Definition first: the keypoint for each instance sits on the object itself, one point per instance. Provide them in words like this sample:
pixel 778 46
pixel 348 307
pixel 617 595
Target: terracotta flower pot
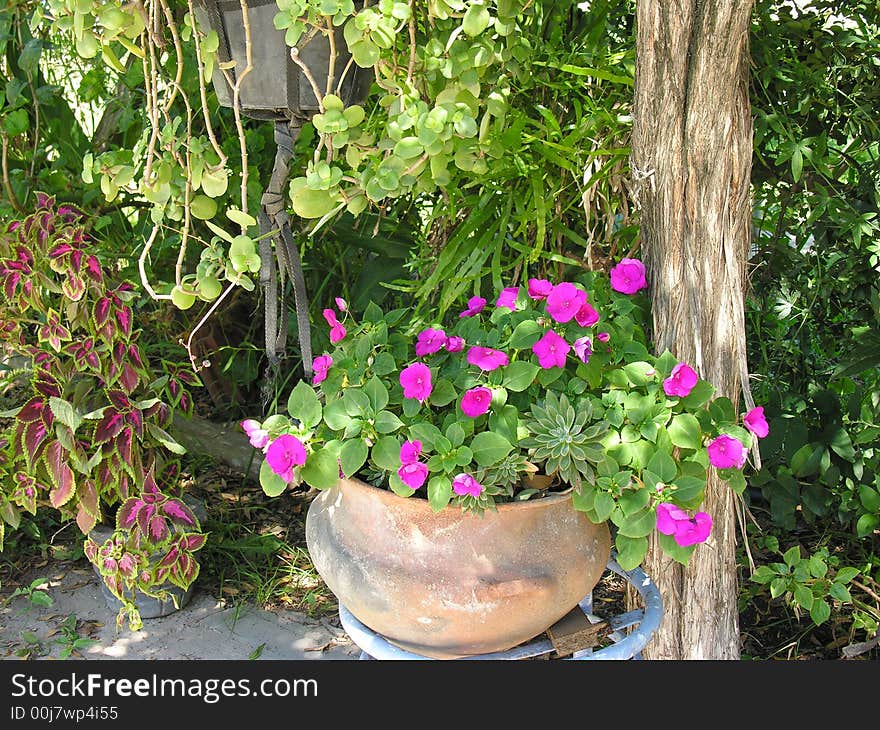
pixel 453 584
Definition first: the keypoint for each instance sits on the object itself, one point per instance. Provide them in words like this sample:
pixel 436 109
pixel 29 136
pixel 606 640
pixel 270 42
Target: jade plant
pixel 92 429
pixel 443 73
pixel 546 387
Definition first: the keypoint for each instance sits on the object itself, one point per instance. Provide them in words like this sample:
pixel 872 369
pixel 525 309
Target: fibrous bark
pixel 691 163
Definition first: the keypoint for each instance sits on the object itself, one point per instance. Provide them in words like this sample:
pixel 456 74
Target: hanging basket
pixel 276 88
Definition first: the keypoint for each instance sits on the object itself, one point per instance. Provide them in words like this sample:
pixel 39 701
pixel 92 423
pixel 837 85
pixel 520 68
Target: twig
pixel 331 66
pixel 236 104
pixel 203 92
pixel 294 55
pixel 412 43
pixel 7 184
pixel 172 26
pixel 866 590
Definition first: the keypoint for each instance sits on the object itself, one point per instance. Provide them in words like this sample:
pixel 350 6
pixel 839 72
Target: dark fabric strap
pixel 275 221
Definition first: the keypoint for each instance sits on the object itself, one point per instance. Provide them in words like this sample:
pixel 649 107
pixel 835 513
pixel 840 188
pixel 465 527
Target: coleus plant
pixel 150 550
pixel 94 424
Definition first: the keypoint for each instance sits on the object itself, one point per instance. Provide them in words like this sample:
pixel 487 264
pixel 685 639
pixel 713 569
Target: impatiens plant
pixel 92 426
pixel 551 388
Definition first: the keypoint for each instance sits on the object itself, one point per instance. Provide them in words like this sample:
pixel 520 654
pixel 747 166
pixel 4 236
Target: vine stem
pixel 203 95
pixel 213 308
pixel 142 269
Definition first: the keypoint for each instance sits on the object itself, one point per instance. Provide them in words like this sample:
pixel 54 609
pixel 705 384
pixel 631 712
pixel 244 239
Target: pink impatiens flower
pixel 551 350
pixel 320 366
pixel 507 298
pixel 475 306
pixel 539 289
pixel 476 401
pixel 284 454
pixel 486 358
pixel 583 348
pixel 726 452
pixel 565 301
pixel 413 475
pixel 337 329
pixel 756 423
pixel 409 452
pixel 686 530
pixel 603 337
pixel 412 472
pixel 465 484
pixel 342 304
pixel 257 436
pixel 416 381
pixel 430 341
pixel 454 344
pixel 586 316
pixel 628 276
pixel 681 381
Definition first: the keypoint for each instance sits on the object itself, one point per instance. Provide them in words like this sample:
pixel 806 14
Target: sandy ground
pixel 203 629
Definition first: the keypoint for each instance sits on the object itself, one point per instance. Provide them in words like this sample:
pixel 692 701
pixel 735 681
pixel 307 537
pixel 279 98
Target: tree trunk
pixel 691 163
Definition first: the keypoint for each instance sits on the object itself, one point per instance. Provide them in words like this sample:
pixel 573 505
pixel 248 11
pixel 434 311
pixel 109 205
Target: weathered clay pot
pixel 453 584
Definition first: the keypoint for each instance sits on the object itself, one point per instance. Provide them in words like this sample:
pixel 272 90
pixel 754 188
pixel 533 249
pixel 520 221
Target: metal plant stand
pixel 643 622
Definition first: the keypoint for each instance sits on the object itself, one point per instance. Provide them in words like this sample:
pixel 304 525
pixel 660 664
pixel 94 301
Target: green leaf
pixel 321 469
pixel 866 524
pixel 519 375
pixel 304 405
pixel 336 416
pixel 398 487
pixel 845 575
pixel 778 587
pixel 840 592
pixel 663 465
pixel 377 393
pixel 526 334
pixel 638 524
pixel 15 123
pixel 427 433
pixel 685 432
pixel 489 448
pixel 243 219
pixel 439 492
pixel 65 412
pixel 792 556
pixel 352 456
pixel 803 596
pixel 386 453
pixel 869 497
pixel 820 611
pixel 603 505
pixel 673 549
pixel 387 422
pixel 637 372
pixel 357 404
pixel 164 438
pixel 272 483
pixel 443 393
pixel 476 20
pixel 631 551
pixel 455 434
pixel 701 394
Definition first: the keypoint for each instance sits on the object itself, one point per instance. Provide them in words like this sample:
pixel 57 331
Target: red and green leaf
pixel 109 426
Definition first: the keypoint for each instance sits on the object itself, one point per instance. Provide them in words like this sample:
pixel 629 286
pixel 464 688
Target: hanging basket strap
pixel 275 221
